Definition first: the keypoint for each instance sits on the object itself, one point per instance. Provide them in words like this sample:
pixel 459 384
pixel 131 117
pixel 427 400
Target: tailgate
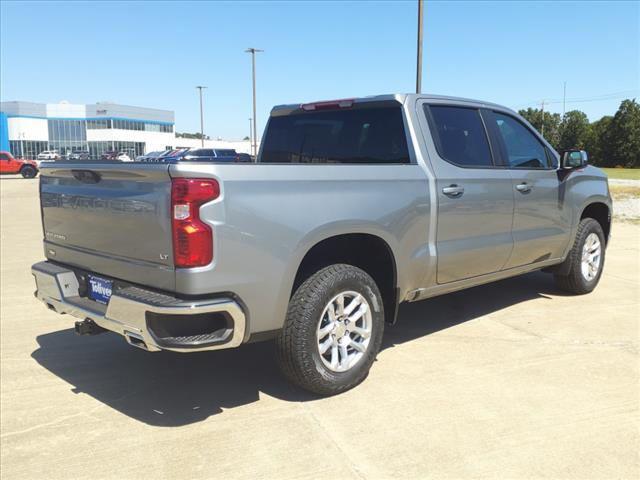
pixel 112 219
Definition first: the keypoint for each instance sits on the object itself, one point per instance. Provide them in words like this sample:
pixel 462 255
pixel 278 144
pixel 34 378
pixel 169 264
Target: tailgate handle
pixel 86 176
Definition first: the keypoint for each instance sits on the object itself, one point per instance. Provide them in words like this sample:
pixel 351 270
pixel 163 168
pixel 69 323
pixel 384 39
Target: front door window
pixel 523 149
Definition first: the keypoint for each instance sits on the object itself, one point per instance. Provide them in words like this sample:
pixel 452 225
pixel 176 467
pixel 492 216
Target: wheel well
pixel 368 252
pixel 600 213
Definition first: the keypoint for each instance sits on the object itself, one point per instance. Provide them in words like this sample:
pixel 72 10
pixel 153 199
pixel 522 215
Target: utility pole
pixel 419 53
pixel 253 52
pixel 200 87
pixel 542 123
pixel 564 99
pixel 250 132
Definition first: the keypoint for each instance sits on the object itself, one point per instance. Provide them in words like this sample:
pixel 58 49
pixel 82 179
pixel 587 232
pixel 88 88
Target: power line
pixel 604 96
pixel 590 97
pixel 595 98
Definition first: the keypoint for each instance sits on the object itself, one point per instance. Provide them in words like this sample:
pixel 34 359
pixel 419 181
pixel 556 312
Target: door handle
pixel 453 190
pixel 524 187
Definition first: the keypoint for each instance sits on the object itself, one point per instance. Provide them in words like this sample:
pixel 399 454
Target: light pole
pixel 542 126
pixel 250 132
pixel 564 100
pixel 253 52
pixel 419 59
pixel 200 87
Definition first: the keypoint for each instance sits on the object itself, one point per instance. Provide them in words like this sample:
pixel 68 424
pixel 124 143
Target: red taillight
pixel 192 238
pixel 331 104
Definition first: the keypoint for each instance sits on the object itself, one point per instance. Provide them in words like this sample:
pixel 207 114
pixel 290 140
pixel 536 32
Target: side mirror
pixel 574 159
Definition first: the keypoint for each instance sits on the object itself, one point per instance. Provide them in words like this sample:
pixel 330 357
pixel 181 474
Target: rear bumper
pixel 132 312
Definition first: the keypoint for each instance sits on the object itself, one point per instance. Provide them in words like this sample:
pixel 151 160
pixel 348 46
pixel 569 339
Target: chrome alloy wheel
pixel 344 331
pixel 591 257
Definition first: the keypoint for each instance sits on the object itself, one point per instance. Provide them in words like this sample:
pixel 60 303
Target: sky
pixel 153 54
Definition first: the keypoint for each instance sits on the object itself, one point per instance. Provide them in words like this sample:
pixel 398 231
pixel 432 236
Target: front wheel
pixel 28 172
pixel 333 330
pixel 586 259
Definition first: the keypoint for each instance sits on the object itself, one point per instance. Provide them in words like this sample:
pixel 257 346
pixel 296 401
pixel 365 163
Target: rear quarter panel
pixel 269 216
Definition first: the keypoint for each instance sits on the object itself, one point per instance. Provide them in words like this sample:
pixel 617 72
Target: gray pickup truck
pixel 353 207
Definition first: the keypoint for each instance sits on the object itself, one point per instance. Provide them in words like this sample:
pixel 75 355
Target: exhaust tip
pixel 135 340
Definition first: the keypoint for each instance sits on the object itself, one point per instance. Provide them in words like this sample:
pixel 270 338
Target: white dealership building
pixel 27 129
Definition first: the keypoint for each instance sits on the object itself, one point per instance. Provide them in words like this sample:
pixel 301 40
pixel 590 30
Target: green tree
pixel 574 131
pixel 246 138
pixel 598 142
pixel 551 121
pixel 610 141
pixel 624 133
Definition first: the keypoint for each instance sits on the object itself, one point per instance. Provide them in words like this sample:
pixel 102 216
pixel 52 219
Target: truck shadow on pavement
pixel 171 389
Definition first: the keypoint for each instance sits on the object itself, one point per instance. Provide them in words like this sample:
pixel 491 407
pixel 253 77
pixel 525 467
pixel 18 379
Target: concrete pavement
pixel 508 380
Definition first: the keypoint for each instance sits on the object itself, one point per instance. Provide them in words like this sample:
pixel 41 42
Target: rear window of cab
pixel 373 135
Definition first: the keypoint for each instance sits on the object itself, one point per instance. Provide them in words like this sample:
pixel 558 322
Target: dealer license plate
pixel 100 289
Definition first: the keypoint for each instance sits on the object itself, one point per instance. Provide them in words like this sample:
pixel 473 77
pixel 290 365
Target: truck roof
pixel 398 97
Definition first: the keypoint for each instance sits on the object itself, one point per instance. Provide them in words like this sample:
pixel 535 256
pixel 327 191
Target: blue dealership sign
pixel 4 132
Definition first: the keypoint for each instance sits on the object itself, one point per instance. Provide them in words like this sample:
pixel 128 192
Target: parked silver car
pixel 353 207
pixel 79 155
pixel 48 155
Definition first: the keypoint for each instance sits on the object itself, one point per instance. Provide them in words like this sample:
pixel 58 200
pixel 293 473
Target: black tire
pixel 297 349
pixel 574 281
pixel 28 172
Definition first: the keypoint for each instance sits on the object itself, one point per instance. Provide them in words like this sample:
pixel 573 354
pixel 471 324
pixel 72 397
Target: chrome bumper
pixel 126 312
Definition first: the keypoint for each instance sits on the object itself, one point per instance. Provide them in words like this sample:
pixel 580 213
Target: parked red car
pixel 26 168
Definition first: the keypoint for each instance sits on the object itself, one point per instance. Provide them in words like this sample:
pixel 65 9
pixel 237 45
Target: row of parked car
pixel 166 156
pixel 54 155
pixel 195 155
pixel 29 168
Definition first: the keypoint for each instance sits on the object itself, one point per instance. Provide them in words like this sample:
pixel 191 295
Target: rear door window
pixel 368 135
pixel 459 135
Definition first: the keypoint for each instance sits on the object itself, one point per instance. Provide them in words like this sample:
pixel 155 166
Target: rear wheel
pixel 333 330
pixel 28 171
pixel 586 259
